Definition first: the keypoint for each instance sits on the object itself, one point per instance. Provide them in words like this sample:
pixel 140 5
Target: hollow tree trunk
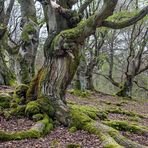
pixel 30 39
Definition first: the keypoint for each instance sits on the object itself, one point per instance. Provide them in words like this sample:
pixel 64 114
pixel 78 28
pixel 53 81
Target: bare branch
pixel 146 89
pixel 84 6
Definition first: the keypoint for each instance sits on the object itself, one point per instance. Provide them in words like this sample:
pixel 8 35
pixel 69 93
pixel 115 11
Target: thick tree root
pixel 110 137
pixel 41 128
pixel 125 126
pixel 125 112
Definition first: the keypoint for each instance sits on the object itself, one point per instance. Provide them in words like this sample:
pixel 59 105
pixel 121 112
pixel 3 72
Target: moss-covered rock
pixel 5 100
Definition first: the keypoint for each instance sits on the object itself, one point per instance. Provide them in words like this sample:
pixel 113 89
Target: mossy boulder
pixel 5 100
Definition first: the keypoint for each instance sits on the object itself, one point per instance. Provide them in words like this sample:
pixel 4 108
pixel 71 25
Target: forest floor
pixel 121 109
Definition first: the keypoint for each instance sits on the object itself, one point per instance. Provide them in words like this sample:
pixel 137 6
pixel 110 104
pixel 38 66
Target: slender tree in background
pixel 29 42
pixel 6 76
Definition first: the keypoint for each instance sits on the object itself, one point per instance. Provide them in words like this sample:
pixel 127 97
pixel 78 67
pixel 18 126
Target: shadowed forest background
pixel 73 70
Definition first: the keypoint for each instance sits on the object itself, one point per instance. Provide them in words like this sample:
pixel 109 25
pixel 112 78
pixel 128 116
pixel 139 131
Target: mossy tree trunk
pixel 80 79
pixel 89 76
pixel 6 76
pixel 135 63
pixel 126 89
pixel 62 49
pixel 29 39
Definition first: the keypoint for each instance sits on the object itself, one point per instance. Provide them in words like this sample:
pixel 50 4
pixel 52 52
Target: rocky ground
pixel 61 137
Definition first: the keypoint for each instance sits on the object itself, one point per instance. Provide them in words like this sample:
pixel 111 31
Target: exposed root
pixel 124 112
pixel 125 126
pixel 110 137
pixel 41 128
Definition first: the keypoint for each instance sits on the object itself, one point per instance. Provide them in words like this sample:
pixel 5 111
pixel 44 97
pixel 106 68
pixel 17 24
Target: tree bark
pixel 6 76
pixel 126 89
pixel 62 49
pixel 30 39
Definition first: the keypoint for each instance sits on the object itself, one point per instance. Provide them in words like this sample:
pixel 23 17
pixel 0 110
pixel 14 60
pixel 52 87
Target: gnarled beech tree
pixel 62 50
pixel 46 93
